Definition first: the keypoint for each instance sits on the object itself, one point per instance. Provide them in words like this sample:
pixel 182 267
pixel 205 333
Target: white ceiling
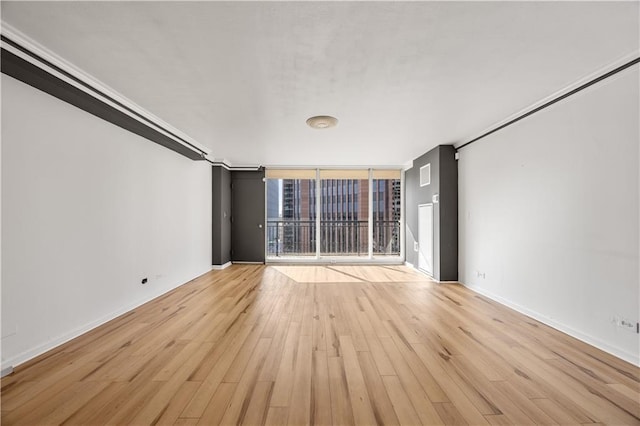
pixel 401 77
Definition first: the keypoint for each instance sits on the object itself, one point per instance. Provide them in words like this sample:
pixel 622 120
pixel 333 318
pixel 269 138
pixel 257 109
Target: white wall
pixel 88 210
pixel 549 212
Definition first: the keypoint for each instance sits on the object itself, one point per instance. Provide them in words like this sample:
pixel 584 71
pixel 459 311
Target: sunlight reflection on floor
pixel 350 273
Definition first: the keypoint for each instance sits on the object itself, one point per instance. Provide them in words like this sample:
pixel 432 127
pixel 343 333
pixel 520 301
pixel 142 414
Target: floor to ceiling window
pixel 344 213
pixel 334 214
pixel 291 213
pixel 387 192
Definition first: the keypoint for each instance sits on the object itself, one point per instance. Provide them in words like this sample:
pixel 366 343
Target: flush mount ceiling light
pixel 322 121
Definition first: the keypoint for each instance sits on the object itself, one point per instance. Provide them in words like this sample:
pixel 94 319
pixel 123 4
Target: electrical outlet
pixel 625 323
pixel 628 325
pixel 415 246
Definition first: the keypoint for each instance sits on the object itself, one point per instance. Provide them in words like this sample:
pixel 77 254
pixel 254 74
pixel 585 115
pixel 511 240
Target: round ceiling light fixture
pixel 322 121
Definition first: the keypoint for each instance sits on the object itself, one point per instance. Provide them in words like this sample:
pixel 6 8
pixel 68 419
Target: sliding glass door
pixel 291 213
pixel 344 213
pixel 333 213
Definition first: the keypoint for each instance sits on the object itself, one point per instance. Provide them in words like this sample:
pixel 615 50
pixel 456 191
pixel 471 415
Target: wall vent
pixel 425 175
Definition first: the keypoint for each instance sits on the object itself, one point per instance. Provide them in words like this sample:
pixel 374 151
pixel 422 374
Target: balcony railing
pixel 337 237
pixel 291 238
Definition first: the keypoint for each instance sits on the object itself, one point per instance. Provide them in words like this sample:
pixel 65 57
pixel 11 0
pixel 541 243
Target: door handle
pixel 259 225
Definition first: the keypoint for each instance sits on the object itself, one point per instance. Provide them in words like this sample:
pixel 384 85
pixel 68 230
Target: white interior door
pixel 425 238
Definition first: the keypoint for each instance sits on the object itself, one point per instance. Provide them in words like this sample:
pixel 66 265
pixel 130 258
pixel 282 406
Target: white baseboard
pixel 6 371
pixel 617 352
pixel 15 361
pixel 220 267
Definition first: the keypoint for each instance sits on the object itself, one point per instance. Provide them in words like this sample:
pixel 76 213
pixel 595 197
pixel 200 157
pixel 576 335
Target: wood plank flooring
pixel 322 345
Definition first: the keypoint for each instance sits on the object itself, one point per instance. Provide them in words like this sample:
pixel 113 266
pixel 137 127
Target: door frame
pixel 432 272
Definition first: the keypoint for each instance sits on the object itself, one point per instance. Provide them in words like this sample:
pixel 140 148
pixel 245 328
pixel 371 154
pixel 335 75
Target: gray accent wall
pixel 448 216
pixel 221 217
pixel 416 195
pixel 444 183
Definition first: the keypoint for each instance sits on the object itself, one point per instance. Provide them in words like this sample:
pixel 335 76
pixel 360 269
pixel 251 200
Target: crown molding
pixel 623 61
pixel 26 49
pixel 217 162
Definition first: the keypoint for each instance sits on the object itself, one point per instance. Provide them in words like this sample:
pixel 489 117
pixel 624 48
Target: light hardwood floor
pixel 322 345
